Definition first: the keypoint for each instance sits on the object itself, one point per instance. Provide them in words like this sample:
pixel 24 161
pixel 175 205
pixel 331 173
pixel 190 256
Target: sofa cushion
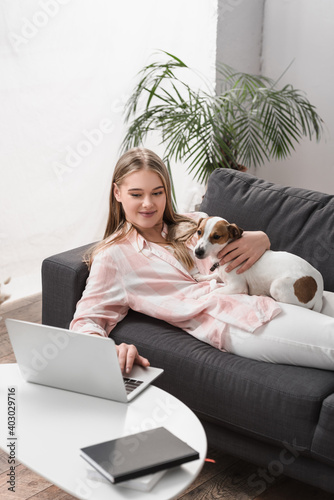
pixel 296 220
pixel 276 403
pixel 323 442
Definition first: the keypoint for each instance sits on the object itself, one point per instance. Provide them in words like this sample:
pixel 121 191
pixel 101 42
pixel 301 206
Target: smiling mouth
pixel 147 214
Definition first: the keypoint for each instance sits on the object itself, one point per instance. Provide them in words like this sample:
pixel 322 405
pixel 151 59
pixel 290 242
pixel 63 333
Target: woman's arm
pixel 103 305
pixel 104 301
pixel 245 251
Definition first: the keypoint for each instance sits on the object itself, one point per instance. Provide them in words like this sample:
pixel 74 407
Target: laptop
pixel 74 361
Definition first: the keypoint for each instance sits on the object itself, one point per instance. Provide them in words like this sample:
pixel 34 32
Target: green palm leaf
pixel 248 121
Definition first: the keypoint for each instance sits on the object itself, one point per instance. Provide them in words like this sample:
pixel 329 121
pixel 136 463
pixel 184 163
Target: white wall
pixel 302 31
pixel 265 36
pixel 67 67
pixel 239 34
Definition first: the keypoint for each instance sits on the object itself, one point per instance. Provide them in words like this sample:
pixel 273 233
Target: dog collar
pixel 215 265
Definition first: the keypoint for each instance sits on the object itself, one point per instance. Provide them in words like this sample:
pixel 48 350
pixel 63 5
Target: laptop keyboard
pixel 131 384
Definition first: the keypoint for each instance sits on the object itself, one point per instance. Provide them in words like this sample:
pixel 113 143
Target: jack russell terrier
pixel 281 275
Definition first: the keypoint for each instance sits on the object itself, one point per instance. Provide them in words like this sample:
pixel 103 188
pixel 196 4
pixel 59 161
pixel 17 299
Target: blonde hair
pixel 134 160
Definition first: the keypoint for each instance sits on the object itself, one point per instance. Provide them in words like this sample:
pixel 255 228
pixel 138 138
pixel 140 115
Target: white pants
pixel 297 336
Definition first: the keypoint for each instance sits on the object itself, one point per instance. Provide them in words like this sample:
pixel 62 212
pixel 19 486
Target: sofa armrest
pixel 63 281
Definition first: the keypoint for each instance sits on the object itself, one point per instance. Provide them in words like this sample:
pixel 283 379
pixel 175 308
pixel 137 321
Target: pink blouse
pixel 144 276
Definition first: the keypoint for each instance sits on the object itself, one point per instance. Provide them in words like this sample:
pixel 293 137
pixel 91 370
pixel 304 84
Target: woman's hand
pixel 244 251
pixel 128 356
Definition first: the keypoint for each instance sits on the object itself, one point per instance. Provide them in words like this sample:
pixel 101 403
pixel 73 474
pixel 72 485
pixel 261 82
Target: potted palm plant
pixel 244 122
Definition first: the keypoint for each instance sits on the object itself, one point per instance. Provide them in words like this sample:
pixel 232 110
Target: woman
pixel 145 263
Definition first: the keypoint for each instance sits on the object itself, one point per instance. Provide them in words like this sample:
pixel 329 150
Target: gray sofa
pixel 277 416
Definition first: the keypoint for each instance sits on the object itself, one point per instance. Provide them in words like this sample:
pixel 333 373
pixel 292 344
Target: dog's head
pixel 213 235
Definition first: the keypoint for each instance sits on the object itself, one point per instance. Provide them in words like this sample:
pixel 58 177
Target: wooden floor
pixel 226 478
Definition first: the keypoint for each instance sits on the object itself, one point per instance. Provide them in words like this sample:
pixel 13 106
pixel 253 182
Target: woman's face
pixel 143 198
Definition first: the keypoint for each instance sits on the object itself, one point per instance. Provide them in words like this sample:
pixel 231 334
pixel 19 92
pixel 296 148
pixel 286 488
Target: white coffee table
pixel 51 425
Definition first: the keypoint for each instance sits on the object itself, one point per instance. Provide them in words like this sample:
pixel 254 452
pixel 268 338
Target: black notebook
pixel 138 454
